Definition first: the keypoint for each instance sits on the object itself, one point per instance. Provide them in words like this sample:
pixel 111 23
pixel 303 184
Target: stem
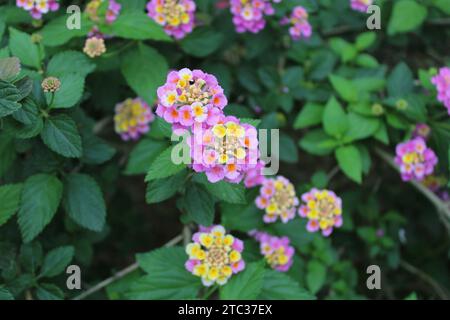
pixel 209 292
pixel 52 99
pixel 121 273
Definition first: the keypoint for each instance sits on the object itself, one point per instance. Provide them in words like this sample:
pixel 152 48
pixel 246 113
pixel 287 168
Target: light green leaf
pixel 288 149
pixel 40 199
pixel 280 286
pixel 246 285
pixel 69 62
pixel 365 40
pixel 144 70
pixel 167 277
pixel 349 160
pixel 334 119
pixel 56 33
pixel 406 16
pixel 22 47
pixel 61 135
pixel 83 200
pixel 228 192
pixel 56 261
pixel 70 92
pixel 163 166
pixel 315 278
pixel 137 25
pixel 9 68
pixel 310 115
pixel 317 142
pixel 202 42
pixel 9 201
pixel 400 81
pixel 344 87
pixel 360 127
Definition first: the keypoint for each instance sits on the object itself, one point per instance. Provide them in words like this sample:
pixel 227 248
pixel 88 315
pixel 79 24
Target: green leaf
pixel 56 33
pixel 22 47
pixel 95 149
pixel 7 153
pixel 163 189
pixel 349 160
pixel 9 68
pixel 56 261
pixel 167 277
pixel 288 149
pixel 360 127
pixel 280 286
pixel 246 285
pixel 310 115
pixel 345 50
pixel 344 87
pixel 367 61
pixel 406 16
pixel 66 62
pixel 144 70
pixel 137 25
pixel 48 291
pixel 400 81
pixel 443 5
pixel 365 40
pixel 202 42
pixel 5 294
pixel 31 256
pixel 199 205
pixel 253 122
pixel 163 166
pixel 228 192
pixel 9 95
pixel 40 199
pixel 70 92
pixel 83 200
pixel 315 278
pixel 334 119
pixel 317 142
pixel 61 135
pixel 143 154
pixel 9 201
pixel 242 217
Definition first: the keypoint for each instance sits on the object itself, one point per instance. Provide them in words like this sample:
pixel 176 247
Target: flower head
pixel 132 118
pixel 50 84
pixel 176 16
pixel 94 47
pixel 442 83
pixel 226 150
pixel 415 159
pixel 248 15
pixel 277 197
pixel 190 97
pixel 254 176
pixel 323 209
pixel 421 130
pixel 112 8
pixel 277 251
pixel 360 5
pixel 299 25
pixel 214 256
pixel 38 7
pixel 434 182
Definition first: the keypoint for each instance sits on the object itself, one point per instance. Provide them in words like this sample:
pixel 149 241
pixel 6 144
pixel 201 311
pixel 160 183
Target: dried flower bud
pixel 51 84
pixel 94 47
pixel 36 37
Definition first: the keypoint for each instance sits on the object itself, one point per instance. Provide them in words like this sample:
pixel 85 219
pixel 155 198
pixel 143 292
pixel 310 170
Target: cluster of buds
pixel 421 130
pixel 415 159
pixel 51 84
pixel 360 5
pixel 214 256
pixel 38 7
pixel 277 251
pixel 442 83
pixel 248 15
pixel 176 16
pixel 132 118
pixel 299 25
pixel 94 47
pixel 278 199
pixel 323 209
pixel 113 9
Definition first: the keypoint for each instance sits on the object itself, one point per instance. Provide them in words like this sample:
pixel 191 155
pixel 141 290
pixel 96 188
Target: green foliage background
pixel 72 192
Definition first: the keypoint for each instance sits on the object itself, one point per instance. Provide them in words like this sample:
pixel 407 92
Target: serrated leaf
pixel 199 205
pixel 163 189
pixel 280 286
pixel 361 127
pixel 344 87
pixel 334 119
pixel 9 68
pixel 70 92
pixel 311 114
pixel 61 135
pixel 22 47
pixel 95 149
pixel 137 25
pixel 202 42
pixel 246 285
pixel 83 200
pixel 315 278
pixel 69 62
pixel 9 95
pixel 349 160
pixel 406 16
pixel 56 33
pixel 167 277
pixel 48 291
pixel 228 192
pixel 56 261
pixel 5 294
pixel 9 201
pixel 163 166
pixel 143 155
pixel 39 201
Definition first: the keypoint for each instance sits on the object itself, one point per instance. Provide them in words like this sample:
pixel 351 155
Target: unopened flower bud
pixel 51 84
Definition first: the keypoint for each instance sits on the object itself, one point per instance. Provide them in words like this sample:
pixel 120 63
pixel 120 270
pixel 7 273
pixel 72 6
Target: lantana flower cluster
pixel 415 159
pixel 442 83
pixel 176 16
pixel 360 5
pixel 111 15
pixel 299 25
pixel 276 250
pixel 132 118
pixel 323 209
pixel 37 8
pixel 278 199
pixel 421 130
pixel 248 15
pixel 214 255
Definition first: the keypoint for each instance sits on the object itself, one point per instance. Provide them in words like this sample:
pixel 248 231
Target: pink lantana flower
pixel 132 118
pixel 176 16
pixel 196 91
pixel 421 130
pixel 214 255
pixel 360 5
pixel 277 251
pixel 38 7
pixel 442 83
pixel 248 15
pixel 278 199
pixel 323 209
pixel 415 159
pixel 299 25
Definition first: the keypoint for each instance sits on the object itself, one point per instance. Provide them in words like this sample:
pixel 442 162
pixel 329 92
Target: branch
pixel 121 273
